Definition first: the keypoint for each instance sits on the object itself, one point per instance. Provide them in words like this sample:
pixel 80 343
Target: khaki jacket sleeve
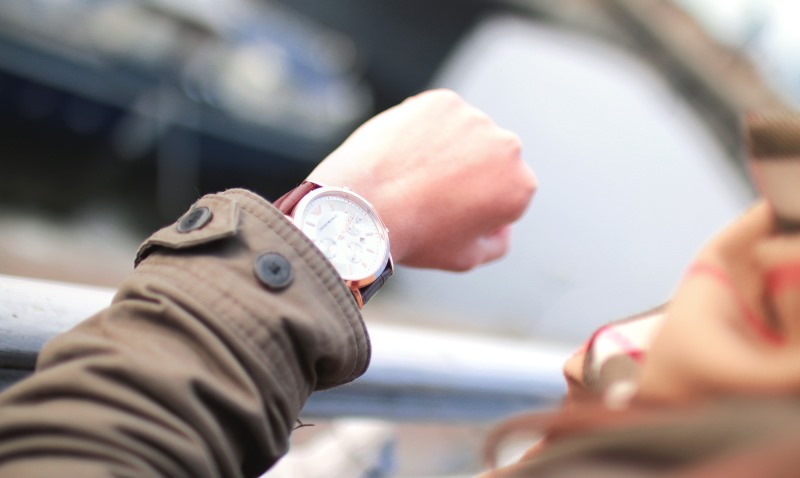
pixel 202 363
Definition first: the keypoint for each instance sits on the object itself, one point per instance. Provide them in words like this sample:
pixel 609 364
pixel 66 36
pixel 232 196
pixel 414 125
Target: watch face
pixel 347 230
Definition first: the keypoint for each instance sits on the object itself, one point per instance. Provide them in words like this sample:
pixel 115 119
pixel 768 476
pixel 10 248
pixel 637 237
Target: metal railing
pixel 415 374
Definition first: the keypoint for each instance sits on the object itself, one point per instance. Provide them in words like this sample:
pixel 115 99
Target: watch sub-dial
pixel 328 247
pixel 354 252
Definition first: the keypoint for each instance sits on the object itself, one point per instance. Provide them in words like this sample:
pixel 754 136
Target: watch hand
pixel 346 227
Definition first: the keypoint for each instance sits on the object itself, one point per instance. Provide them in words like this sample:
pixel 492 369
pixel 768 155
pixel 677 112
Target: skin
pixel 447 181
pixel 733 326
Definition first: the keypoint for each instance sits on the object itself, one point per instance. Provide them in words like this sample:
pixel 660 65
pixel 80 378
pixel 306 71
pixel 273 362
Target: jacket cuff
pixel 236 256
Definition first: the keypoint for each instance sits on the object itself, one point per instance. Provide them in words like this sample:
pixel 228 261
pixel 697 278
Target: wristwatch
pixel 346 228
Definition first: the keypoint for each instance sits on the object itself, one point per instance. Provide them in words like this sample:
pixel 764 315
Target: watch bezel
pixel 302 205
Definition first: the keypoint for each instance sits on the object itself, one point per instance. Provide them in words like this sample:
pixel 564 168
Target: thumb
pixel 779 258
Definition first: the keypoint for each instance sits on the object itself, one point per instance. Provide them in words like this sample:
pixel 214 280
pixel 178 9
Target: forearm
pixel 198 368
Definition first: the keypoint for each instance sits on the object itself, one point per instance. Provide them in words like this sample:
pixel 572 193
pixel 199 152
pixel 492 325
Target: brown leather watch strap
pixel 288 201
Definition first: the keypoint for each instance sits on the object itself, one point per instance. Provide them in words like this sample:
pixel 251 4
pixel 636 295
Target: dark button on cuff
pixel 273 270
pixel 195 219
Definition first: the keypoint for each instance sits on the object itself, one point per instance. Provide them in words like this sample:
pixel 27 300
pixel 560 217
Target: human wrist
pixel 390 213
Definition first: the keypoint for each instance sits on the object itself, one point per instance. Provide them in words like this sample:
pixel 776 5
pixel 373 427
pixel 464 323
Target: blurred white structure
pixel 349 448
pixel 631 184
pixel 414 373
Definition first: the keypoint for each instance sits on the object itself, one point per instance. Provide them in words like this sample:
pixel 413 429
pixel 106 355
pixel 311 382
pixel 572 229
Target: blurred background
pixel 116 115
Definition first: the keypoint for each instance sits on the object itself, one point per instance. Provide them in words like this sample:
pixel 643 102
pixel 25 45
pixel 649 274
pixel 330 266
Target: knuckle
pixel 527 192
pixel 520 195
pixel 447 94
pixel 531 182
pixel 483 120
pixel 441 95
pixel 512 142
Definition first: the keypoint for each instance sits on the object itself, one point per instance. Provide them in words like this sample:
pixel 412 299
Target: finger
pixel 495 245
pixel 528 185
pixel 779 259
pixel 777 250
pixel 783 289
pixel 733 252
pixel 755 224
pixel 477 252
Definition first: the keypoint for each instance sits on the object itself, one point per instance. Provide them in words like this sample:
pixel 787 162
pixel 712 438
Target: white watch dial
pixel 346 230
